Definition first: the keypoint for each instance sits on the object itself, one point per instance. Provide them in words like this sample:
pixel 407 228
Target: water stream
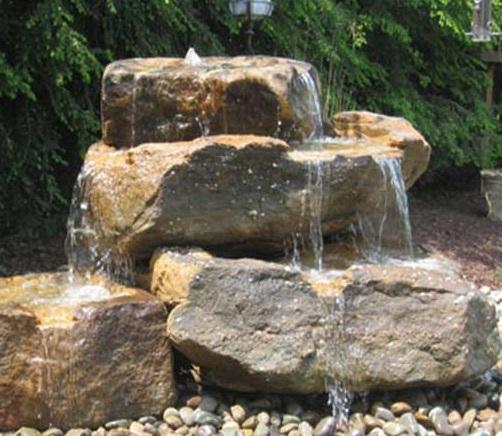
pixel 313 104
pixel 87 251
pixel 386 230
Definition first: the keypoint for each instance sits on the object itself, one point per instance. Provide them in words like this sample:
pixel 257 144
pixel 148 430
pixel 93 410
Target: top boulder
pixel 168 99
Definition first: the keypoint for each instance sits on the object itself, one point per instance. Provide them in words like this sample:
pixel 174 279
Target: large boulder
pixel 167 99
pixel 79 356
pixel 245 193
pixel 382 129
pixel 252 325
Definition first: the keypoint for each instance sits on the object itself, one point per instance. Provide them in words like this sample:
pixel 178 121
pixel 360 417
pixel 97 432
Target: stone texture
pixel 491 188
pixel 392 131
pixel 245 193
pixel 165 100
pixel 81 356
pixel 253 325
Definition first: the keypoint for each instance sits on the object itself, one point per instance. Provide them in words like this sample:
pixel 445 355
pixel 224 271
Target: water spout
pixel 192 58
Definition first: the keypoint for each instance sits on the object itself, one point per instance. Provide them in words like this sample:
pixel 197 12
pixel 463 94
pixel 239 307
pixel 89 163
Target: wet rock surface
pixel 80 356
pixel 244 193
pixel 374 326
pixel 382 129
pixel 166 100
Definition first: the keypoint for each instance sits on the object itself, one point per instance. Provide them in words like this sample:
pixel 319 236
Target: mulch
pixel 454 222
pixel 451 221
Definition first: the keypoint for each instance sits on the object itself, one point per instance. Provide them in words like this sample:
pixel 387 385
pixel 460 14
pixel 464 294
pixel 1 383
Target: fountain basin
pixel 244 193
pixel 252 325
pixel 168 99
pixel 80 355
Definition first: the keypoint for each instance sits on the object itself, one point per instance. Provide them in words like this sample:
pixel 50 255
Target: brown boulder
pixel 164 99
pixel 79 356
pixel 259 326
pixel 240 192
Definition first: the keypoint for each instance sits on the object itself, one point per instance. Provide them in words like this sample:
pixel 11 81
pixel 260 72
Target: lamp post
pixel 252 10
pixel 482 21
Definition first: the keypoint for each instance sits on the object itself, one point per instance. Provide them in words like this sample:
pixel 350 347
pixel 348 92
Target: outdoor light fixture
pixel 482 21
pixel 252 10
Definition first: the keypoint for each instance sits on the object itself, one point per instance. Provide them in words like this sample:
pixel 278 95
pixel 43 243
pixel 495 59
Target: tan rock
pixel 245 193
pixel 80 356
pixel 392 131
pixel 252 325
pixel 164 99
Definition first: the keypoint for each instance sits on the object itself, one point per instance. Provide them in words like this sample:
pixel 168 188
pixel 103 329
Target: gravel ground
pixel 472 408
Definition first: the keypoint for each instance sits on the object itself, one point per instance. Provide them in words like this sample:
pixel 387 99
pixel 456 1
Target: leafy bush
pixel 408 58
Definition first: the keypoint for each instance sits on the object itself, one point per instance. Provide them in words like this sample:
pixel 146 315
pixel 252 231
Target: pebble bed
pixel 473 408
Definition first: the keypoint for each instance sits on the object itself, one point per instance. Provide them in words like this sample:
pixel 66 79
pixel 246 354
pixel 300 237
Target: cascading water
pixel 339 397
pixel 86 251
pixel 313 104
pixel 387 229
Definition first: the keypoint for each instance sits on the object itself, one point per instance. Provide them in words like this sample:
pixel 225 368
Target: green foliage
pixel 408 58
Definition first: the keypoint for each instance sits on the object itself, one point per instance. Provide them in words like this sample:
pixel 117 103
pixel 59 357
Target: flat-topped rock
pixel 396 132
pixel 252 325
pixel 166 99
pixel 80 355
pixel 245 193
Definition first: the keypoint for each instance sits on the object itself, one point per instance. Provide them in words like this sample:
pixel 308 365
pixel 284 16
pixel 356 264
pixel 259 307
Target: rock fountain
pixel 209 171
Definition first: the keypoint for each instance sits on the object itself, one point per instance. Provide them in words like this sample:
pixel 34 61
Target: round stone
pixel 325 427
pixel 394 429
pixel 400 407
pixel 440 421
pixel 250 422
pixel 263 418
pixel 288 419
pixel 194 401
pixel 118 423
pixel 305 429
pixel 384 414
pixel 173 421
pixel 371 422
pixel 187 415
pixel 136 427
pixel 202 417
pixel 54 432
pixel 285 429
pixel 261 430
pixel 205 430
pixel 208 403
pixel 238 413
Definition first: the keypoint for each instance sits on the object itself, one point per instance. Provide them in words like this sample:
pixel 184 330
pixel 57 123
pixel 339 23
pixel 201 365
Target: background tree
pixel 408 58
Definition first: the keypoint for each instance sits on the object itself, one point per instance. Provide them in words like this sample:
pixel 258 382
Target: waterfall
pixel 310 223
pixel 313 104
pixel 315 195
pixel 386 230
pixel 87 252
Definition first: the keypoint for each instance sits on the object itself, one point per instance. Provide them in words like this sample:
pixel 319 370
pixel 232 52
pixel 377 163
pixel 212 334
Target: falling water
pixel 315 194
pixel 387 229
pixel 86 250
pixel 310 219
pixel 313 103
